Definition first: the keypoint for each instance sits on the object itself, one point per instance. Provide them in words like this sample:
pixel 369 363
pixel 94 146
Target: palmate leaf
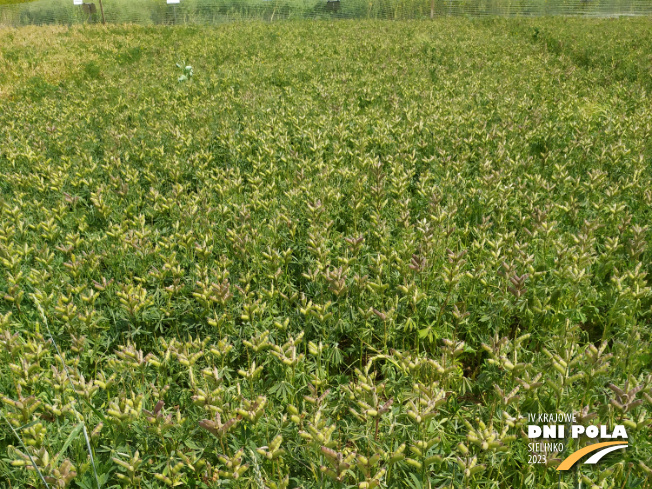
pixel 282 390
pixel 88 482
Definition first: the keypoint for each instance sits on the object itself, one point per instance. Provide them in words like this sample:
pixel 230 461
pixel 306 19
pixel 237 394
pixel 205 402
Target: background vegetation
pixel 10 2
pixel 219 11
pixel 317 254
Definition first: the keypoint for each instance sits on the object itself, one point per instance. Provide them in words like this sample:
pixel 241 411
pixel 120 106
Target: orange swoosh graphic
pixel 575 456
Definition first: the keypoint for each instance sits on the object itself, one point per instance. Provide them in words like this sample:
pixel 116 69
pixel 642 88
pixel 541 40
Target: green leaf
pixel 69 440
pixel 28 425
pixel 469 349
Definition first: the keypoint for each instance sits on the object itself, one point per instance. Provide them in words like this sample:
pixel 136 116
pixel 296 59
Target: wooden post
pixel 432 9
pixel 102 11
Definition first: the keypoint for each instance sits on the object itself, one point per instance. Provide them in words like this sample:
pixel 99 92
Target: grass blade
pixel 69 440
pixel 20 440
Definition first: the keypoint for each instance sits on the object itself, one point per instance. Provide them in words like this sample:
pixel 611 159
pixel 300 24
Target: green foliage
pixel 12 2
pixel 219 11
pixel 186 72
pixel 340 255
pixel 92 70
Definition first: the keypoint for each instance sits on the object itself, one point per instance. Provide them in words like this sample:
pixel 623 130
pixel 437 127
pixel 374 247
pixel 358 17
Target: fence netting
pixel 218 11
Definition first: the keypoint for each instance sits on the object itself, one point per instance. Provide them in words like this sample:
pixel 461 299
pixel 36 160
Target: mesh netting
pixel 216 11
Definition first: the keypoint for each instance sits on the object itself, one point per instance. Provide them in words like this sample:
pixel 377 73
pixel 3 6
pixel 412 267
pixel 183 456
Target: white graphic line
pixel 597 456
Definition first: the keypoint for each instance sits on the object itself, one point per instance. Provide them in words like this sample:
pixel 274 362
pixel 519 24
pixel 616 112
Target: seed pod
pixel 432 459
pixel 398 455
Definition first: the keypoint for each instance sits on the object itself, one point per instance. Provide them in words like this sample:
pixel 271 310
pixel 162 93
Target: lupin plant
pixel 56 476
pixel 358 264
pixel 234 466
pixel 129 469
